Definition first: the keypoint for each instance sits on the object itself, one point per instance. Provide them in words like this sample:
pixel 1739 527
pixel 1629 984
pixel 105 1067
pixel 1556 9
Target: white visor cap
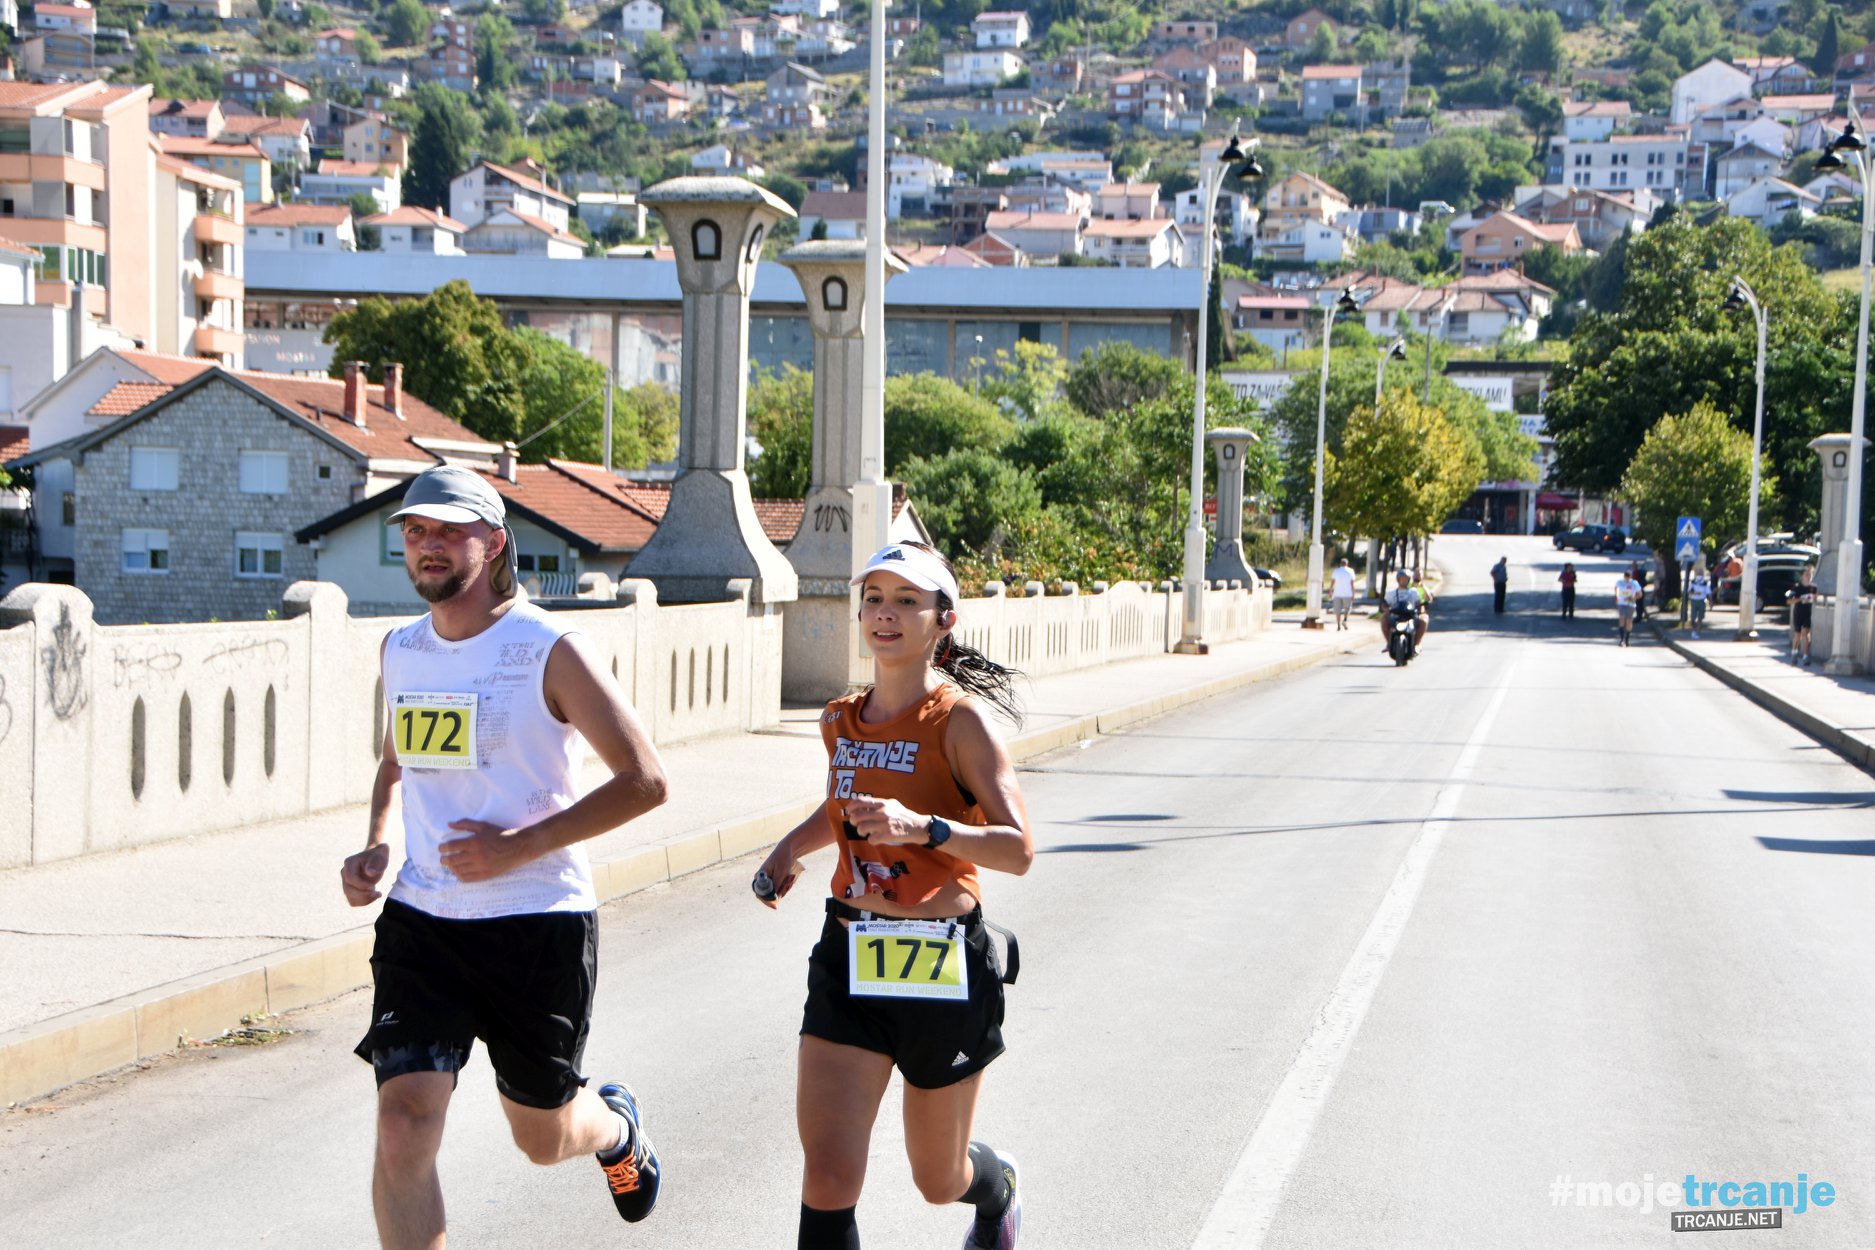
pixel 920 568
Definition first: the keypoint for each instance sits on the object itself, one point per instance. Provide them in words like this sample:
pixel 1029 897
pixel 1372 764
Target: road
pixel 1362 958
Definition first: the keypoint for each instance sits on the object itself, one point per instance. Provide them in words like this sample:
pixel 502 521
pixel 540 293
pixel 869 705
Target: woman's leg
pixel 837 1093
pixel 948 1167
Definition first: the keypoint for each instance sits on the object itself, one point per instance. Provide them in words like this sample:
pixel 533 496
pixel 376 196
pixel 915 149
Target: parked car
pixel 1592 538
pixel 1768 545
pixel 1460 525
pixel 1776 574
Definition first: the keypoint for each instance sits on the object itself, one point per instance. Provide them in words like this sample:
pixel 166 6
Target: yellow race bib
pixel 433 730
pixel 907 959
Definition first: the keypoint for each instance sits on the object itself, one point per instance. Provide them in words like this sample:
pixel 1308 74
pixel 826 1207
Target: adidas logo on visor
pixel 894 553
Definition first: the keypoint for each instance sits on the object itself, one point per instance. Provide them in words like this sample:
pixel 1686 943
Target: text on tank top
pixel 901 759
pixel 476 741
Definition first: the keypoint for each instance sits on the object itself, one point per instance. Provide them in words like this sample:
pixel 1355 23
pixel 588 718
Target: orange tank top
pixel 899 759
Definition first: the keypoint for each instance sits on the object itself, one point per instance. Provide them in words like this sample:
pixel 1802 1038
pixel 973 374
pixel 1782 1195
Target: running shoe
pixel 634 1178
pixel 1011 1222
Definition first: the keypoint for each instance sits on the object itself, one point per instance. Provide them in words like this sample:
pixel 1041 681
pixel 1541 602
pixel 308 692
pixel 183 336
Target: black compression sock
pixel 828 1230
pixel 989 1191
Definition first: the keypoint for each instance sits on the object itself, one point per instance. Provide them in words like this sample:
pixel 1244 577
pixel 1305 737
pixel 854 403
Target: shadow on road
pixel 1818 848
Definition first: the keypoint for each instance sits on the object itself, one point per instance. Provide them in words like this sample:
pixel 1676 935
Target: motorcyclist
pixel 1400 601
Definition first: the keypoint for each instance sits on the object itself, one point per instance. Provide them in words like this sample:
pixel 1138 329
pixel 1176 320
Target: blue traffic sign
pixel 1686 540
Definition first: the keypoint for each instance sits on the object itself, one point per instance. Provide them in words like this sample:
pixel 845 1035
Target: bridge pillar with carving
pixel 710 535
pixel 821 654
pixel 1227 563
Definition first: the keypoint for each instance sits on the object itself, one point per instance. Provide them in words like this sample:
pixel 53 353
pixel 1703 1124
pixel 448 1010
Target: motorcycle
pixel 1402 626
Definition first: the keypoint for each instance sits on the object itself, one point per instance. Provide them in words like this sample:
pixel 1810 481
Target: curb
pixel 1853 747
pixel 42 1058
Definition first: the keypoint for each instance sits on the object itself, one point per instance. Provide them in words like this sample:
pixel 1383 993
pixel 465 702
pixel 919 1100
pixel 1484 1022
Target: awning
pixel 1549 502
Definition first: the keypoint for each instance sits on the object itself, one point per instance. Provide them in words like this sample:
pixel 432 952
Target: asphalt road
pixel 1363 958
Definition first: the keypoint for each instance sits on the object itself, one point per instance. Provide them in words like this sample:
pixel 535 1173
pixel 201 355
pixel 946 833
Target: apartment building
pixel 1622 162
pixel 376 139
pixel 231 157
pixel 1000 29
pixel 488 188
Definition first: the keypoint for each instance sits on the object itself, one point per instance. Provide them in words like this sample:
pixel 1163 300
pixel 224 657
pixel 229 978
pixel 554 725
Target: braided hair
pixel 969 669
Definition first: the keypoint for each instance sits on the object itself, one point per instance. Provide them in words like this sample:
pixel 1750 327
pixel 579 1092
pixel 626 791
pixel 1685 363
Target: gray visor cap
pixel 453 494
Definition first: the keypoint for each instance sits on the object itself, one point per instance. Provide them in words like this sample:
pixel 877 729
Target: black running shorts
pixel 933 1044
pixel 523 984
pixel 1800 614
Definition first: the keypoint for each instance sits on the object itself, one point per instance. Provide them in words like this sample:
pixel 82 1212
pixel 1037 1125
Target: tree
pixel 644 426
pixel 969 497
pixel 1402 469
pixel 407 23
pixel 1027 383
pixel 559 381
pixel 1828 45
pixel 1541 50
pixel 926 416
pixel 370 51
pixel 494 51
pixel 781 420
pixel 1694 463
pixel 1322 45
pixel 446 131
pixel 540 12
pixel 363 205
pixel 657 58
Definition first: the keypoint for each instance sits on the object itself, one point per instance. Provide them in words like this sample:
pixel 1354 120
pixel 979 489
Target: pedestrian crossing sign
pixel 1686 540
pixel 1688 528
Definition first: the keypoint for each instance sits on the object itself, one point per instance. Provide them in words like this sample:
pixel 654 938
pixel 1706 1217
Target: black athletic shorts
pixel 523 984
pixel 1800 613
pixel 932 1044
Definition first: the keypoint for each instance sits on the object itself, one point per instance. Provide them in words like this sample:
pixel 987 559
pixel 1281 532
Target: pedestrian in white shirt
pixel 1342 600
pixel 1627 595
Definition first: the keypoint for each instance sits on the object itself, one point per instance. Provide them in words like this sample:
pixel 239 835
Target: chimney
pixel 355 392
pixel 505 463
pixel 394 389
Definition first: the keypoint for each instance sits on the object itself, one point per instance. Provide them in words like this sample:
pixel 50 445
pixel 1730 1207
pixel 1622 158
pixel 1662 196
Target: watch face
pixel 940 832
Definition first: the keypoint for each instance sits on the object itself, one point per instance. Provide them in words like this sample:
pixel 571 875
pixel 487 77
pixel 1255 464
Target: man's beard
pixel 437 592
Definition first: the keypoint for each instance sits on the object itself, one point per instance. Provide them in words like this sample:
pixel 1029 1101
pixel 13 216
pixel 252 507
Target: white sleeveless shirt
pixel 472 731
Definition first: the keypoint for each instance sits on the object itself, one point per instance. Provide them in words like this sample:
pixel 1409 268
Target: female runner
pixel 921 794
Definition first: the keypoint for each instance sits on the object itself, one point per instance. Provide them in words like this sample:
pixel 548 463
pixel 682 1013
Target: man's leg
pixel 406 1194
pixel 584 1126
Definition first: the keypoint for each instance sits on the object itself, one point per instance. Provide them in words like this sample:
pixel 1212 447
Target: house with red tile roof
pixel 179 494
pixel 487 188
pixel 301 228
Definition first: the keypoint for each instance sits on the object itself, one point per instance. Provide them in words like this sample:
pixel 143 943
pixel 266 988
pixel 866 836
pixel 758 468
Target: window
pixel 258 555
pixel 153 468
pixel 68 509
pixel 392 551
pixel 537 564
pixel 833 294
pixel 263 472
pixel 325 472
pixel 313 238
pixel 706 239
pixel 146 551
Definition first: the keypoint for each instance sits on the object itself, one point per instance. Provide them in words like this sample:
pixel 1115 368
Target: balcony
pixel 52 293
pixel 55 232
pixel 215 285
pixel 214 228
pixel 31 167
pixel 215 341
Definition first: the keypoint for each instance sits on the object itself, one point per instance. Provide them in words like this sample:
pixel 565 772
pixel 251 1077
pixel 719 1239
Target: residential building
pixel 337 44
pixel 1503 239
pixel 1150 95
pixel 1137 244
pixel 841 213
pixel 1712 83
pixel 376 139
pixel 1306 241
pixel 728 46
pixel 660 103
pixel 1768 201
pixel 509 232
pixel 970 208
pixel 986 68
pixel 1377 224
pixel 1183 31
pixel 186 119
pixel 488 188
pixel 599 210
pixel 1386 85
pixel 1585 120
pixel 1062 75
pixel 1236 221
pixel 1662 163
pixel 1193 70
pixel 450 58
pixel 1039 236
pixel 256 84
pixel 1233 59
pixel 1089 171
pixel 916 183
pixel 287 141
pixel 1793 110
pixel 336 182
pixel 1018 102
pixel 1278 322
pixel 200 10
pixel 65 17
pixel 229 156
pixel 1719 124
pixel 1742 166
pixel 939 255
pixel 796 98
pixel 415 229
pixel 198 265
pixel 1857 64
pixel 720 159
pixel 301 228
pixel 1048 195
pixel 1600 217
pixel 996 252
pixel 1778 75
pixel 185 496
pixel 1128 201
pixel 1000 28
pixel 640 18
pixel 1331 89
pixel 1299 197
pixel 1300 29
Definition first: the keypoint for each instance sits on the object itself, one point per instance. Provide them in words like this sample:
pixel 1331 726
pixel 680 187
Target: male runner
pixel 490 930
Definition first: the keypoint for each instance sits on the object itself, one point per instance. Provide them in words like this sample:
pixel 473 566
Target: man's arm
pixel 360 874
pixel 580 692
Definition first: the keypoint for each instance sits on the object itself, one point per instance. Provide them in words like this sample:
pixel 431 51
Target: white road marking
pixel 1247 1207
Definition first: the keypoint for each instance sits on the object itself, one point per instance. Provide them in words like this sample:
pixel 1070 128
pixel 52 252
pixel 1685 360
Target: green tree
pixel 644 426
pixel 457 355
pixel 1322 46
pixel 1695 463
pixel 926 416
pixel 446 131
pixel 407 23
pixel 494 51
pixel 1541 50
pixel 559 381
pixel 1400 471
pixel 370 51
pixel 657 58
pixel 781 420
pixel 1828 45
pixel 969 497
pixel 1026 383
pixel 540 12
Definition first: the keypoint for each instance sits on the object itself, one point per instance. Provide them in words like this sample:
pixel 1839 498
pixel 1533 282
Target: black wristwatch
pixel 939 833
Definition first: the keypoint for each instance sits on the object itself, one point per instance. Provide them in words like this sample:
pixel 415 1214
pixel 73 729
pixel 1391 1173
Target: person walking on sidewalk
pixel 921 795
pixel 1500 583
pixel 1568 580
pixel 1627 594
pixel 1802 598
pixel 489 931
pixel 1343 598
pixel 1698 592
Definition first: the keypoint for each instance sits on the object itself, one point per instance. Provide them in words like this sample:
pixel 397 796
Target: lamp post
pixel 1210 179
pixel 1312 616
pixel 1842 655
pixel 1396 350
pixel 1743 296
pixel 1443 311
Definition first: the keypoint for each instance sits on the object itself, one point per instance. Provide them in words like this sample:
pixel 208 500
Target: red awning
pixel 1547 502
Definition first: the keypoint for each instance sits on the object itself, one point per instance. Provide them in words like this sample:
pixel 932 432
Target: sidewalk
pixel 118 957
pixel 1838 712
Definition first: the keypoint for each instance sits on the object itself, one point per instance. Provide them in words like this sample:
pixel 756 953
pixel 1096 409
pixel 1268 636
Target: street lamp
pixel 1210 179
pixel 1842 657
pixel 1443 311
pixel 1312 617
pixel 1743 296
pixel 1396 350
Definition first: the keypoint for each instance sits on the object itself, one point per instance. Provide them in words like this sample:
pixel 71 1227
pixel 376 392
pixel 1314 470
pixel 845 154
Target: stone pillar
pixel 1227 563
pixel 710 534
pixel 822 654
pixel 326 610
pixel 1833 450
pixel 53 711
